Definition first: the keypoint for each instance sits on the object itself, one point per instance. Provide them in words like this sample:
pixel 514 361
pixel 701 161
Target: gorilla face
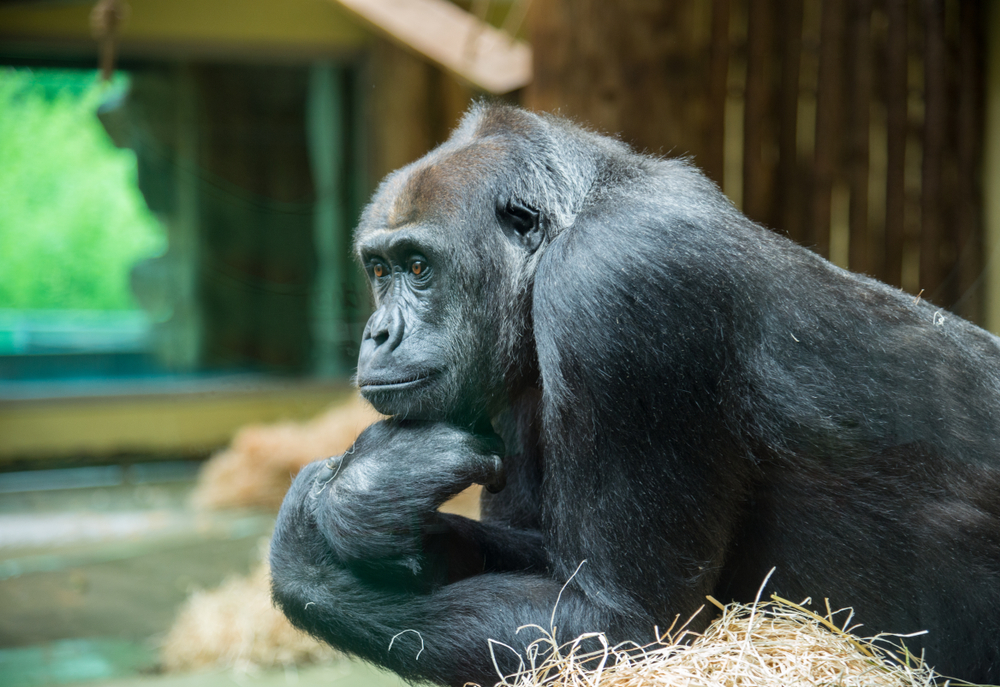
pixel 447 257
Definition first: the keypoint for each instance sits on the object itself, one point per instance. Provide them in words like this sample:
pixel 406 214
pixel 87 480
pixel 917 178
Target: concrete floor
pixel 343 673
pixel 94 565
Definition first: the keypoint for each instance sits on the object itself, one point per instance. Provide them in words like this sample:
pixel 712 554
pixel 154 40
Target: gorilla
pixel 664 400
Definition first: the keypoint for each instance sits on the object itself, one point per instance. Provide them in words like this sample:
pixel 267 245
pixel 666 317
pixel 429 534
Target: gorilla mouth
pixel 400 384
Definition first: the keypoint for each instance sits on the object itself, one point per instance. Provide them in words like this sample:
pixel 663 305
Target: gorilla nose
pixel 385 328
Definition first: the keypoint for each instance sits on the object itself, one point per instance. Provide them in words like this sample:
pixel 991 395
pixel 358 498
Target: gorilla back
pixel 652 384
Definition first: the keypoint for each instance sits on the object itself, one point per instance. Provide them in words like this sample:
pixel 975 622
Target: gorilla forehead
pixel 438 187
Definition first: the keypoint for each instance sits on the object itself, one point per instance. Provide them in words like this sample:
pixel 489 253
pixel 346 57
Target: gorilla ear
pixel 521 223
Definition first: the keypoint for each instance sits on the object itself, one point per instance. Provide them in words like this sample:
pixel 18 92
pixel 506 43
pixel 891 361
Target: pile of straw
pixel 237 627
pixel 257 468
pixel 773 644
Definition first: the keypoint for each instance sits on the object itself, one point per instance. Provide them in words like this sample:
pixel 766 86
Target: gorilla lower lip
pixel 393 385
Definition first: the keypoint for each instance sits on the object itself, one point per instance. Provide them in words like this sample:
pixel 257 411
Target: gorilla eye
pixel 418 267
pixel 379 270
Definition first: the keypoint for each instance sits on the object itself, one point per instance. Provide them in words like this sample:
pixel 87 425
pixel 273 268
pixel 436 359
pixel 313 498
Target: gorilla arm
pixel 361 559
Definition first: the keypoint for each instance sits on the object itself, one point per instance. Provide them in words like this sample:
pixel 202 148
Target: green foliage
pixel 72 220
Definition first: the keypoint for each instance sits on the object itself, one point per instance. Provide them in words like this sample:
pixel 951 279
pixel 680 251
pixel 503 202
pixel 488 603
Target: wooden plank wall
pixel 852 126
pixel 862 132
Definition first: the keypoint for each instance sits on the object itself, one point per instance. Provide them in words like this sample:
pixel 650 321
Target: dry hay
pixel 236 626
pixel 258 466
pixel 773 644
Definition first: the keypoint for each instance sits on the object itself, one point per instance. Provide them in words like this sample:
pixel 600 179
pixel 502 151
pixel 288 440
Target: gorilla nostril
pixel 385 327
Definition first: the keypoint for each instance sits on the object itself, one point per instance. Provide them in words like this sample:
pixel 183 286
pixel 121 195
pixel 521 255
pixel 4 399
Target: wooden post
pixel 969 135
pixel 829 101
pixel 714 159
pixel 756 113
pixel 860 121
pixel 787 195
pixel 935 123
pixel 991 170
pixel 185 352
pixel 325 120
pixel 896 126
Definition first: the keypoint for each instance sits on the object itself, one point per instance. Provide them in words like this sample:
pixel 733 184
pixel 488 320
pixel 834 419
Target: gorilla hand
pixel 360 556
pixel 374 507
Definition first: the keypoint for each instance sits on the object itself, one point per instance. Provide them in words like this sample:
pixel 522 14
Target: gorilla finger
pixel 497 480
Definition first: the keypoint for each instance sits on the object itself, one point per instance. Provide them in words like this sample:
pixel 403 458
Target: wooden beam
pixel 467 47
pixel 189 29
pixel 144 419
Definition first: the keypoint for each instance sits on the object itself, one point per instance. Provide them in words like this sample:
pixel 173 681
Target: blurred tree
pixel 72 220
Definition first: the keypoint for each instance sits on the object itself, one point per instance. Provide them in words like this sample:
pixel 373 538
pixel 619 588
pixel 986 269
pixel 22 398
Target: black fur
pixel 686 400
